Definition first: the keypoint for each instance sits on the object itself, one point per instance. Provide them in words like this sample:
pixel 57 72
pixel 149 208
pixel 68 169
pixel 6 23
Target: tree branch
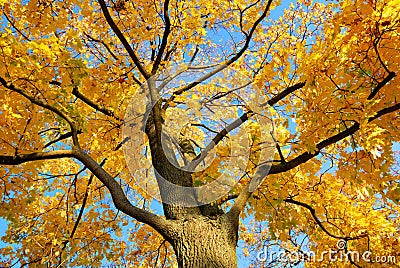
pixel 24 158
pixel 78 219
pixel 119 198
pixel 318 221
pixel 15 27
pixel 123 40
pixel 62 137
pixel 381 84
pixel 284 93
pixel 103 43
pixel 227 63
pixel 42 104
pixel 238 122
pixel 89 102
pixel 222 134
pixel 282 167
pixel 244 195
pixel 164 39
pixel 241 200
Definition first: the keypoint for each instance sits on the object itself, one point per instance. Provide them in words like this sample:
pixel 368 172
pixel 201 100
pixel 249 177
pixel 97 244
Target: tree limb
pixel 284 93
pixel 238 122
pixel 381 84
pixel 62 137
pixel 42 104
pixel 318 221
pixel 282 167
pixel 227 63
pixel 89 102
pixel 119 198
pixel 78 219
pixel 123 40
pixel 235 124
pixel 23 158
pixel 103 43
pixel 241 200
pixel 164 39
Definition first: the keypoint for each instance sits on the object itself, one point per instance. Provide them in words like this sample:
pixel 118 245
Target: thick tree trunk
pixel 206 242
pixel 202 236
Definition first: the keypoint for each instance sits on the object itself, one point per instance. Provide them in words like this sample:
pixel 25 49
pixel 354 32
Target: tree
pixel 310 96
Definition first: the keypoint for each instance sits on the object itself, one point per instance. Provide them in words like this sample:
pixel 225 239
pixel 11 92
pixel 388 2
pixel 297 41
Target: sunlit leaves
pixel 342 50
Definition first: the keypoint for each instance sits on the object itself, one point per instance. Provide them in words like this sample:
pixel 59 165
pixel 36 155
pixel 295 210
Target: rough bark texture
pixel 202 236
pixel 206 242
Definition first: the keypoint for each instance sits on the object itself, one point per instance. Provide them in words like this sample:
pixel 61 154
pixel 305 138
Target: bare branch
pixel 194 55
pixel 204 126
pixel 279 149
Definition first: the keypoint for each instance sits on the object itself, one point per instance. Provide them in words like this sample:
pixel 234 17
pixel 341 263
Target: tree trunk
pixel 206 242
pixel 202 236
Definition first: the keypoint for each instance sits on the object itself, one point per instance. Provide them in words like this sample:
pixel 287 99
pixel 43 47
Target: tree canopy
pixel 106 104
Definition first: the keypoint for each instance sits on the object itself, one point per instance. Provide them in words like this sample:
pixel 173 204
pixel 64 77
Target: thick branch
pixel 241 200
pixel 222 134
pixel 119 198
pixel 304 157
pixel 123 40
pixel 23 158
pixel 238 122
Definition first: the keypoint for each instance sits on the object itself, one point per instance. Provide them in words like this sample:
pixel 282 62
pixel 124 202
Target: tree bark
pixel 206 242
